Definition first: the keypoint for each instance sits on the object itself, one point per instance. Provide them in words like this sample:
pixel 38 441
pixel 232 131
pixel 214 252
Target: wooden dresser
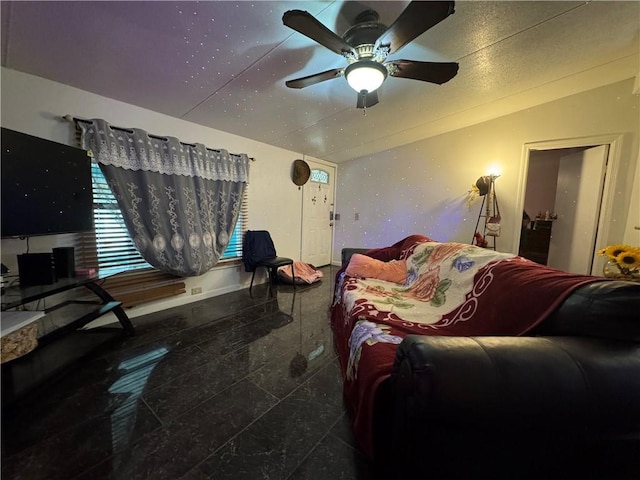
pixel 534 242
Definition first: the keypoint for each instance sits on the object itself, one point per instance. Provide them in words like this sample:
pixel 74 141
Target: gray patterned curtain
pixel 180 202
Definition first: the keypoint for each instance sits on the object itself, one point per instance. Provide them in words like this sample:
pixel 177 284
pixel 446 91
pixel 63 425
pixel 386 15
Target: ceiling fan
pixel 368 43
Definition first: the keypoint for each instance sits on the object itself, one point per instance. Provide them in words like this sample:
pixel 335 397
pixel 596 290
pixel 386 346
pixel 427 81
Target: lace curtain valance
pixel 135 149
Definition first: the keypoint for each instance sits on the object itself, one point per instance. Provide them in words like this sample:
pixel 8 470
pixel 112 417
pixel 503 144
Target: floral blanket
pixel 452 289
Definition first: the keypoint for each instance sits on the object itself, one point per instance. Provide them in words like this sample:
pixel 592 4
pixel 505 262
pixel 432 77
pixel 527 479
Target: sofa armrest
pixel 605 309
pixel 531 383
pixel 511 407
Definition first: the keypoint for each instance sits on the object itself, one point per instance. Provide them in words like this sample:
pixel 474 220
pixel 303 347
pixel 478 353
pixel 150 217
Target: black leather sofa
pixel 563 402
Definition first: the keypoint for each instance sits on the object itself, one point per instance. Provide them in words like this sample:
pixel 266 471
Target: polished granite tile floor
pixel 238 386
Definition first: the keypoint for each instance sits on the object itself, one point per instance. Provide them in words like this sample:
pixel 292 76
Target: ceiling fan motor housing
pixel 363 35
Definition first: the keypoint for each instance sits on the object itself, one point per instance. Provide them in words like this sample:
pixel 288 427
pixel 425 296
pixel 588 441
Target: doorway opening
pixel 566 191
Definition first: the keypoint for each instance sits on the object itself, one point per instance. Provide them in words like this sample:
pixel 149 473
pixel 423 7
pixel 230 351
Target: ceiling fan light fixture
pixel 365 75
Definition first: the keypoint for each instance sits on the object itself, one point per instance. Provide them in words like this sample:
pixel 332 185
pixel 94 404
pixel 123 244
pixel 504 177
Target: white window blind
pixel 115 249
pixel 234 248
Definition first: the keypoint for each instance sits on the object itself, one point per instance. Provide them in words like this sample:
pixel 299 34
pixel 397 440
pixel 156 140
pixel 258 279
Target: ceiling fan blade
pixel 433 72
pixel 366 100
pixel 308 25
pixel 416 19
pixel 315 78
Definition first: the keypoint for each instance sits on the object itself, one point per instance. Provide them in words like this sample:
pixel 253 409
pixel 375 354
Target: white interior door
pixel 317 211
pixel 577 204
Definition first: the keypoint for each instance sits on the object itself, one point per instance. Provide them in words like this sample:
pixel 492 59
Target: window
pixel 234 248
pixel 319 176
pixel 115 249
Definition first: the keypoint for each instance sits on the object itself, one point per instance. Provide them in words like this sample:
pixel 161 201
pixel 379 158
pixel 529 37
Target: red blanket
pixel 453 290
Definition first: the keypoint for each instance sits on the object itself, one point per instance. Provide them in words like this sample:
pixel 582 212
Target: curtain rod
pixel 71 118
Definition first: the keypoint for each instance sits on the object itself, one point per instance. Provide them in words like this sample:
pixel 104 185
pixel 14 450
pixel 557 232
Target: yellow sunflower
pixel 629 259
pixel 612 251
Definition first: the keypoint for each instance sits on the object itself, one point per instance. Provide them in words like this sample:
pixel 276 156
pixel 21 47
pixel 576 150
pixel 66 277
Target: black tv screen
pixel 46 187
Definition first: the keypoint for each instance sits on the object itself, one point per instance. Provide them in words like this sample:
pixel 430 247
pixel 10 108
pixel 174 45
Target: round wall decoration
pixel 300 172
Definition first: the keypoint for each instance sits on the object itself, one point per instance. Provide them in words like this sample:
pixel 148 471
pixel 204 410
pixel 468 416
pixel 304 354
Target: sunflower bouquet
pixel 623 257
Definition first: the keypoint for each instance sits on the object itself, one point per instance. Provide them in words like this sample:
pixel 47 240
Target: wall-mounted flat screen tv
pixel 46 187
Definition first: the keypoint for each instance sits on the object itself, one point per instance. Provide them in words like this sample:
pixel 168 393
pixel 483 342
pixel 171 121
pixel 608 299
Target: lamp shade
pixel 365 75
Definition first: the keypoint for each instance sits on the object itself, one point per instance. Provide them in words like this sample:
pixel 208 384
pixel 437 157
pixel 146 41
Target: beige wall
pixel 422 187
pixel 417 188
pixel 33 105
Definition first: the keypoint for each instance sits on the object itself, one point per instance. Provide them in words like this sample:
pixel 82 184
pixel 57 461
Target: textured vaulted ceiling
pixel 224 64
